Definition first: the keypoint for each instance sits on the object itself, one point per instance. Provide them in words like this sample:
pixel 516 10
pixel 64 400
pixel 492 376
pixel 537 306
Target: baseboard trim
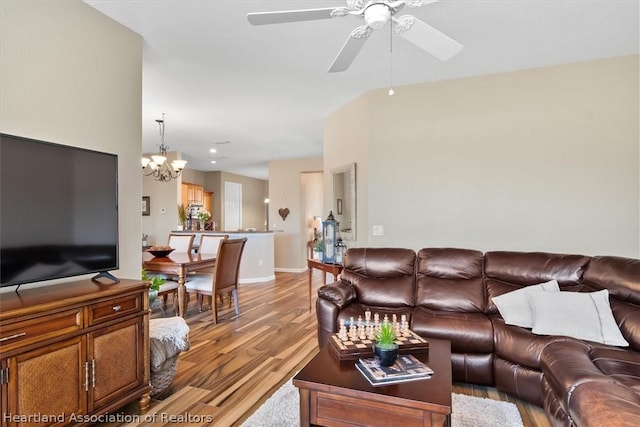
pixel 258 279
pixel 291 270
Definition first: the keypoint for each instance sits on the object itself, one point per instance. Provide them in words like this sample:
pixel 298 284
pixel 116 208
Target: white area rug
pixel 282 410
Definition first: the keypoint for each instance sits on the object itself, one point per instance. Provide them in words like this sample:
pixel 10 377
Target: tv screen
pixel 58 211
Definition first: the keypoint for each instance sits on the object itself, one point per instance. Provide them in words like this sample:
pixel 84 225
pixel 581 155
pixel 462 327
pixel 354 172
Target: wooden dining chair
pixel 209 244
pixel 169 287
pixel 181 242
pixel 224 279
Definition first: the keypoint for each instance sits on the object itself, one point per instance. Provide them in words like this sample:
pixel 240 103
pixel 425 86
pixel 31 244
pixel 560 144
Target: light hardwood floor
pixel 233 367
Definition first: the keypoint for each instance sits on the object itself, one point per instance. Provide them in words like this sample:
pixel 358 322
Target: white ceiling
pixel 265 89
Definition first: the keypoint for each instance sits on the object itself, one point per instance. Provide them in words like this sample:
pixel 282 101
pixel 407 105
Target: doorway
pixel 232 206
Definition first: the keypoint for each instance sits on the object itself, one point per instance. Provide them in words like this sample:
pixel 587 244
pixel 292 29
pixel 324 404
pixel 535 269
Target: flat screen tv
pixel 58 211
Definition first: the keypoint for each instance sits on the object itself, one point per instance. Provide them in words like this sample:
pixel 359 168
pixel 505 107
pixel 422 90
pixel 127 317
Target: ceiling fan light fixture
pixel 377 15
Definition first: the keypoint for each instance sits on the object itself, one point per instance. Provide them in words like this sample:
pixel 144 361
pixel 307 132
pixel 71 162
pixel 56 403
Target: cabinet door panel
pixel 117 362
pixel 49 381
pixel 198 194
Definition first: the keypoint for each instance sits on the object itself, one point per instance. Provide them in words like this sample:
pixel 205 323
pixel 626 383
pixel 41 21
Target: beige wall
pixel 347 135
pixel 312 193
pixel 285 191
pixel 543 159
pixel 213 183
pixel 254 191
pixel 73 76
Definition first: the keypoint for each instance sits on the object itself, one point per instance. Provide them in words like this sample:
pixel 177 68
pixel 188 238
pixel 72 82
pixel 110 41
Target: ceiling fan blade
pixel 350 49
pixel 411 3
pixel 426 37
pixel 284 16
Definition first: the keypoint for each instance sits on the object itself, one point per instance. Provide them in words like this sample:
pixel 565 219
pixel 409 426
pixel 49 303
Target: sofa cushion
pixel 509 342
pixel 518 380
pixel 579 315
pixel 450 280
pixel 623 365
pixel 628 318
pixel 514 306
pixel 621 276
pixel 468 332
pixel 381 276
pixel 526 268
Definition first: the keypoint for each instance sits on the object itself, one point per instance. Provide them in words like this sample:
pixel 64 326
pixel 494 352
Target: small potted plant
pixel 182 216
pixel 385 347
pixel 203 216
pixel 155 284
pixel 318 248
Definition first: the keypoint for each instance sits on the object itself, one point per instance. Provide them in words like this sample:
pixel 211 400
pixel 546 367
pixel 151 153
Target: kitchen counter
pixel 258 264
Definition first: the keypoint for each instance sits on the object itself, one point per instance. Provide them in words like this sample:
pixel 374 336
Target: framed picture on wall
pixel 339 206
pixel 146 206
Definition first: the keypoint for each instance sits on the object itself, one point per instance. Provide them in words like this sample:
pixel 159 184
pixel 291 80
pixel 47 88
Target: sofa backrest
pixel 621 276
pixel 508 271
pixel 450 280
pixel 381 276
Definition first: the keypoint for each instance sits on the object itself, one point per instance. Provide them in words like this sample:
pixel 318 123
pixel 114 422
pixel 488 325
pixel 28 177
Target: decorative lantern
pixel 341 249
pixel 329 230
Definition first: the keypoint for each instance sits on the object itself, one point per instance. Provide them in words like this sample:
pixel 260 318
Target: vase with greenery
pixel 203 216
pixel 182 215
pixel 318 247
pixel 384 346
pixel 156 281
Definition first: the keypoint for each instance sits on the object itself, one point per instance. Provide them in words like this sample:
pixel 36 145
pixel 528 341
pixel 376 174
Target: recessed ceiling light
pixel 213 150
pixel 213 161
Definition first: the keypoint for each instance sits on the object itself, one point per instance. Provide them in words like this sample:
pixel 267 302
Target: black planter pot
pixel 385 356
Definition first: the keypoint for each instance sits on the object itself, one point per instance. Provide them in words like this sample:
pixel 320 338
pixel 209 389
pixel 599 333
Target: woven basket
pixel 162 378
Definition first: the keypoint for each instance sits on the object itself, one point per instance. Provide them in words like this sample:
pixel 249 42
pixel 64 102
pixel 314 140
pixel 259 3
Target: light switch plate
pixel 378 230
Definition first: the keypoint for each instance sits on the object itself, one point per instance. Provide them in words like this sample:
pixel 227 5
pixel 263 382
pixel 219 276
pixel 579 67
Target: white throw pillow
pixel 514 307
pixel 581 315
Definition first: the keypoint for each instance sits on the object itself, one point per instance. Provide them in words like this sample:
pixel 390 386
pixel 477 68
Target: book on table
pixel 405 368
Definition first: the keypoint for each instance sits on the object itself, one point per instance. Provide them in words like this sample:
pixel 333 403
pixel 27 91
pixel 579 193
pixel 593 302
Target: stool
pixel 168 337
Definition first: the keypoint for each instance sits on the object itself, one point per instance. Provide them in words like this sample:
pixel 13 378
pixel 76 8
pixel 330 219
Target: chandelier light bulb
pixel 391 92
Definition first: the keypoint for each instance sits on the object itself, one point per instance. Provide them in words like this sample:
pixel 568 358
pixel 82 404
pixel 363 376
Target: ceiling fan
pixel 376 13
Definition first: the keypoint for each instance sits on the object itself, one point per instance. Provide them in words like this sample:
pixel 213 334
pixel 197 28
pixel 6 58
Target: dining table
pixel 179 264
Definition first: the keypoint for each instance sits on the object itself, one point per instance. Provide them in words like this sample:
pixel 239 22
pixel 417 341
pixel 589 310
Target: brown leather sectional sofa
pixel 447 293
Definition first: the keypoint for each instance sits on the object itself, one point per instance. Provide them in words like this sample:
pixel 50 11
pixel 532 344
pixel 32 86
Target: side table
pixel 334 269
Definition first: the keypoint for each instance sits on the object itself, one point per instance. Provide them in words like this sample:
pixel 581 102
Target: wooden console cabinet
pixel 73 350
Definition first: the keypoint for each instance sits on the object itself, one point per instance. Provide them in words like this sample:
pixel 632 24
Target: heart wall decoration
pixel 284 212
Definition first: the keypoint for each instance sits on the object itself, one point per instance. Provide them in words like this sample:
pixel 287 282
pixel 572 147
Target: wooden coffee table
pixel 335 393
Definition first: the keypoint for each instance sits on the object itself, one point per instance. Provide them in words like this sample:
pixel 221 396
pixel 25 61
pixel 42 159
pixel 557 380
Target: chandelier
pixel 157 166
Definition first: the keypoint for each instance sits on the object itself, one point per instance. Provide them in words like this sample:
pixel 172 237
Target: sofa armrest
pixel 595 404
pixel 566 364
pixel 340 294
pixel 331 300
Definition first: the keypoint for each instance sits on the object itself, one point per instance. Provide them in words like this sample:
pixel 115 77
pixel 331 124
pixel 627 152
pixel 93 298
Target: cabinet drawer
pixel 40 328
pixel 115 308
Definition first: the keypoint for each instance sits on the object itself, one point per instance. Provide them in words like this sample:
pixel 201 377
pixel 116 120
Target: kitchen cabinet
pixel 192 194
pixel 207 202
pixel 73 350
